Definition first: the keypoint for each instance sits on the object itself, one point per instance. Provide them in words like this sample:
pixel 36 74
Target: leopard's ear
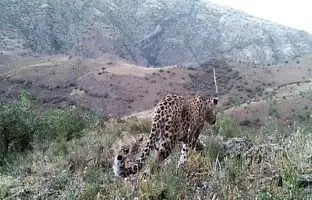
pixel 215 101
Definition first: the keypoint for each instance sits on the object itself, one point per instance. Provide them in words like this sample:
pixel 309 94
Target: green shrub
pixel 273 109
pixel 23 125
pixel 227 127
pixel 58 124
pixel 215 150
pixel 18 124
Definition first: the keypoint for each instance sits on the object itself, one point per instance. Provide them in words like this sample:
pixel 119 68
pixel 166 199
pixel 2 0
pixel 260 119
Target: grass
pixel 75 162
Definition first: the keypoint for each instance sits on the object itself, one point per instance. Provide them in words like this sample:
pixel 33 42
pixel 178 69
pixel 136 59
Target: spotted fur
pixel 176 119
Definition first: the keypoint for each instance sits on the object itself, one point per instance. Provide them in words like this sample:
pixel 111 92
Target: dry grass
pixel 81 168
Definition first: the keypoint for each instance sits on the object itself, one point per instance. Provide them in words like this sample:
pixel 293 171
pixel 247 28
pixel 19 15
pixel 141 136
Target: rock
pixel 238 145
pixel 263 151
pixel 305 180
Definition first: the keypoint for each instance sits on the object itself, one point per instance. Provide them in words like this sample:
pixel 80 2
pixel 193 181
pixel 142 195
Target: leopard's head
pixel 210 110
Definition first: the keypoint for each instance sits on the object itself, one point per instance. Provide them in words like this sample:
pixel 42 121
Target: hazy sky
pixel 293 13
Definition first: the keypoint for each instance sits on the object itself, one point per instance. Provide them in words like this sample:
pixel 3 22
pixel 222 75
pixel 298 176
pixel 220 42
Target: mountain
pixel 149 32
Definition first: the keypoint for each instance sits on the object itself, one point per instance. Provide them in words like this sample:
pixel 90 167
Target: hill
pixel 149 32
pixel 113 87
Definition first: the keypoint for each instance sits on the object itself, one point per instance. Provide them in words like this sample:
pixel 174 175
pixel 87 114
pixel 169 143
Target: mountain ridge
pixel 151 33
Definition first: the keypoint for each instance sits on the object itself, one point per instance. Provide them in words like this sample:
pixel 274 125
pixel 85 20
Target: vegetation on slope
pixel 25 127
pixel 156 33
pixel 66 154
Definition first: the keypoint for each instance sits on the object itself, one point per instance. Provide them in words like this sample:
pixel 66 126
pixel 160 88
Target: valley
pixel 113 87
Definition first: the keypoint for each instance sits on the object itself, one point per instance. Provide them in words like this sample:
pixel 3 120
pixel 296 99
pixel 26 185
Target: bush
pixel 23 125
pixel 227 127
pixel 18 124
pixel 273 110
pixel 58 124
pixel 215 150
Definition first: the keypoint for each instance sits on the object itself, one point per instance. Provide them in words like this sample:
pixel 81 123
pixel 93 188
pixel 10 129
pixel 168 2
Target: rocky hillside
pixel 150 32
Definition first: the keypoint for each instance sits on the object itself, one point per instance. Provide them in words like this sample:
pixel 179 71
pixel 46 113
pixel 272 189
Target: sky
pixel 293 13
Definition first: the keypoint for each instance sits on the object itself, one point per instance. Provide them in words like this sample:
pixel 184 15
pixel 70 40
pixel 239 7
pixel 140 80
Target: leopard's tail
pixel 119 168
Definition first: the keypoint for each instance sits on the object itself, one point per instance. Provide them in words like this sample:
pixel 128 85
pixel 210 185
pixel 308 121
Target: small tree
pixel 18 123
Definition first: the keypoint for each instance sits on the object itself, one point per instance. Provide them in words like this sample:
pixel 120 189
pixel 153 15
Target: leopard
pixel 176 119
